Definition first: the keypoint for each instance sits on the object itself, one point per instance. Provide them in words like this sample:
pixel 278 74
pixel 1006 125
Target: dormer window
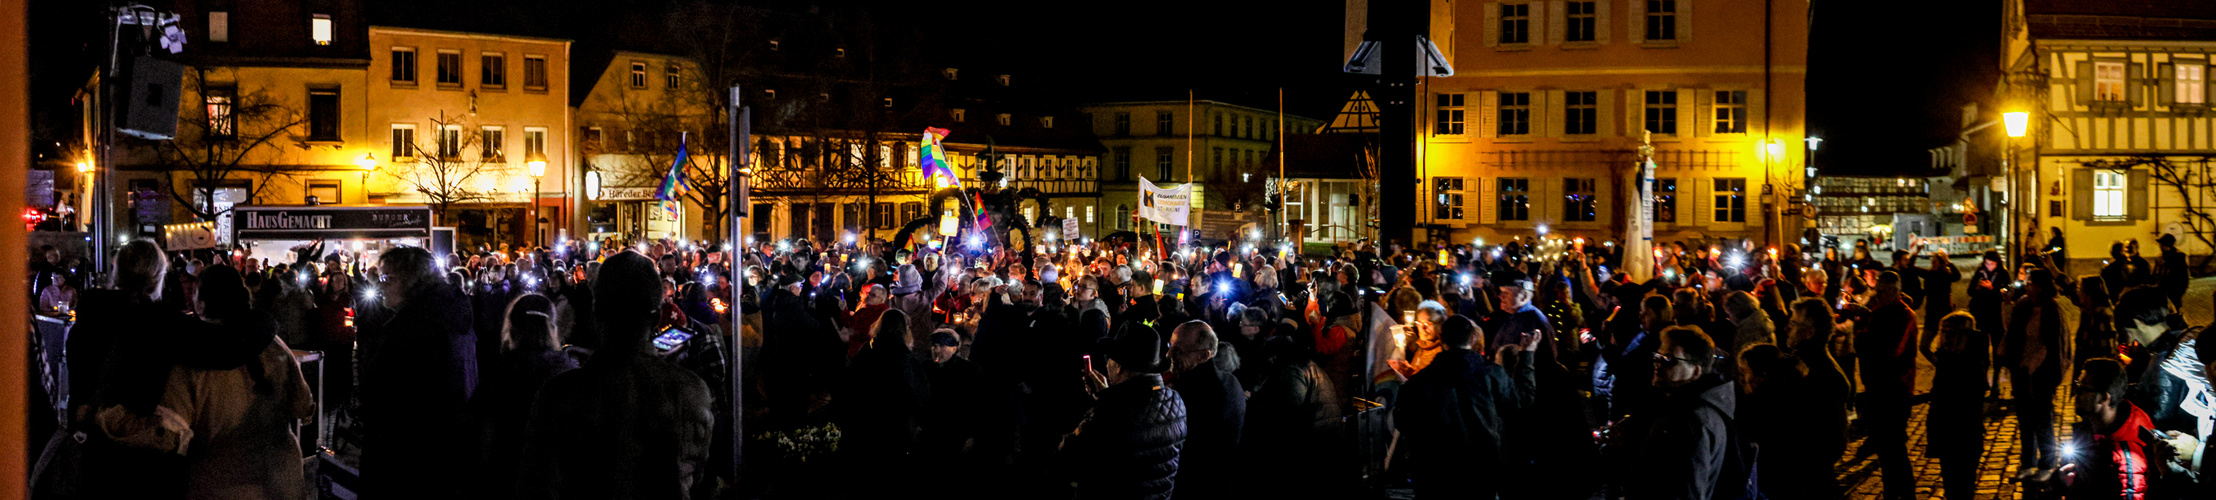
pixel 772 45
pixel 957 114
pixel 1002 80
pixel 838 52
pixel 1004 119
pixel 950 73
pixel 1046 122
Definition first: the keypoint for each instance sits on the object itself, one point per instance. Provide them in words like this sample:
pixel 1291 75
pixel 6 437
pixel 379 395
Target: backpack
pixel 1739 479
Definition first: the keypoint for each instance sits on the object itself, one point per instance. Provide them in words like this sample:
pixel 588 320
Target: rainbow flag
pixel 674 186
pixel 933 155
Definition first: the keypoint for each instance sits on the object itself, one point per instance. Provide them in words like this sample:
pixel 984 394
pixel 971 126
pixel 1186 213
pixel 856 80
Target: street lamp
pixel 537 165
pixel 2016 121
pixel 368 163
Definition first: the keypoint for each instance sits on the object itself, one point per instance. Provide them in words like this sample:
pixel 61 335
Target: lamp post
pixel 537 165
pixel 368 164
pixel 2017 123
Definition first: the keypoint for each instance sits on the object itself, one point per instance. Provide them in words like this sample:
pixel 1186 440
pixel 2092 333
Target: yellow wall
pixel 473 105
pixel 1719 48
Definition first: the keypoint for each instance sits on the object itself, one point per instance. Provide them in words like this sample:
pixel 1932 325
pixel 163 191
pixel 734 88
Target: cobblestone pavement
pixel 1859 472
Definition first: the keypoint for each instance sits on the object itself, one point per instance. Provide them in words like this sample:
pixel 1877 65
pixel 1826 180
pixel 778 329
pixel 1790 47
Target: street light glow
pixel 2016 121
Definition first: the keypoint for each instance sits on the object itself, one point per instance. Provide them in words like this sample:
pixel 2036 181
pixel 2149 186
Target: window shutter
pixel 2134 78
pixel 1538 22
pixel 1690 113
pixel 2135 197
pixel 1637 22
pixel 1546 203
pixel 2085 84
pixel 2210 99
pixel 1702 213
pixel 1558 14
pixel 1685 192
pixel 1492 24
pixel 1554 113
pixel 1684 20
pixel 1488 205
pixel 1464 204
pixel 2166 84
pixel 2081 194
pixel 1488 105
pixel 1606 114
pixel 1754 113
pixel 1600 21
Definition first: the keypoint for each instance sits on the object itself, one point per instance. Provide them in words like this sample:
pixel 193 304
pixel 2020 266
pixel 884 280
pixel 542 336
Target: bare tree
pixel 2193 185
pixel 443 170
pixel 231 136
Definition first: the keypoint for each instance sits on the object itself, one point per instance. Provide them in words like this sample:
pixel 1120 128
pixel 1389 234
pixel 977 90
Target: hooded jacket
pixel 1683 451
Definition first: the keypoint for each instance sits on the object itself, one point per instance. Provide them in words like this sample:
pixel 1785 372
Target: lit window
pixel 1088 214
pixel 219 26
pixel 2108 81
pixel 534 143
pixel 450 142
pixel 1665 201
pixel 1731 111
pixel 2108 194
pixel 1450 113
pixel 1448 202
pixel 219 100
pixel 958 114
pixel 319 28
pixel 2192 84
pixel 492 144
pixel 1004 118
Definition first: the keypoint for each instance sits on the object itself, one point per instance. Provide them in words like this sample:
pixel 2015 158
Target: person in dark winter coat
pixel 1989 285
pixel 955 386
pixel 1292 419
pixel 419 370
pixel 626 424
pixel 1215 404
pixel 2032 354
pixel 1825 390
pixel 793 340
pixel 1886 348
pixel 529 357
pixel 1452 414
pixel 1773 384
pixel 1129 445
pixel 1684 442
pixel 1956 425
pixel 882 404
pixel 2165 351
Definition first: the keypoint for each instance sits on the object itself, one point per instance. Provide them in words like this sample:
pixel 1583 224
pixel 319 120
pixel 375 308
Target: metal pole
pixel 1283 224
pixel 736 194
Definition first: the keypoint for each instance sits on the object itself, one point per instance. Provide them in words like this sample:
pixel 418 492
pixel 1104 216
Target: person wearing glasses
pixel 1685 437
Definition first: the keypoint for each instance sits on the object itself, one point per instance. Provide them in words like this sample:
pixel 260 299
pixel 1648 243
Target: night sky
pixel 1885 83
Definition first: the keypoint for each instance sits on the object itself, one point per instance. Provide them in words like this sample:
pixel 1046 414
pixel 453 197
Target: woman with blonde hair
pixel 1956 425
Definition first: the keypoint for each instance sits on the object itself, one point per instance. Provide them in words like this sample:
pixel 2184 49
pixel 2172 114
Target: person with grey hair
pixel 121 352
pixel 419 369
pixel 1215 403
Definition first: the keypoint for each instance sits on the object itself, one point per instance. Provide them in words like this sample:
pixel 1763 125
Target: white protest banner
pixel 1167 206
pixel 1069 228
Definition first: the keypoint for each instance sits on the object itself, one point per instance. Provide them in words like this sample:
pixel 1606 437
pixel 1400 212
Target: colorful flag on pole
pixel 983 220
pixel 674 185
pixel 933 159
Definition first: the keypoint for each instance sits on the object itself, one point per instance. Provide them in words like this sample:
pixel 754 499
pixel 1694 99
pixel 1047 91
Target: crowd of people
pixel 1140 368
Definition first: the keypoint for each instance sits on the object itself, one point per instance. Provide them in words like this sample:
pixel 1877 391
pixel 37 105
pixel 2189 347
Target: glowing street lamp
pixel 2017 122
pixel 537 166
pixel 368 163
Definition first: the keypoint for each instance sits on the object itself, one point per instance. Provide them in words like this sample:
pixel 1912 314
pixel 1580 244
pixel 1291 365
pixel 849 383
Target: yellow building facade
pixel 1538 130
pixel 2119 129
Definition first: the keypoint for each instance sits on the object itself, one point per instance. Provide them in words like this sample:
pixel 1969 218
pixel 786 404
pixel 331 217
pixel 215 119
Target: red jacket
pixel 2113 464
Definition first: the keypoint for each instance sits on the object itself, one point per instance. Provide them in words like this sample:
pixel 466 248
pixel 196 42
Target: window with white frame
pixel 638 74
pixel 403 142
pixel 2109 195
pixel 1451 114
pixel 404 65
pixel 534 143
pixel 491 142
pixel 2108 81
pixel 2192 84
pixel 450 141
pixel 1446 198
